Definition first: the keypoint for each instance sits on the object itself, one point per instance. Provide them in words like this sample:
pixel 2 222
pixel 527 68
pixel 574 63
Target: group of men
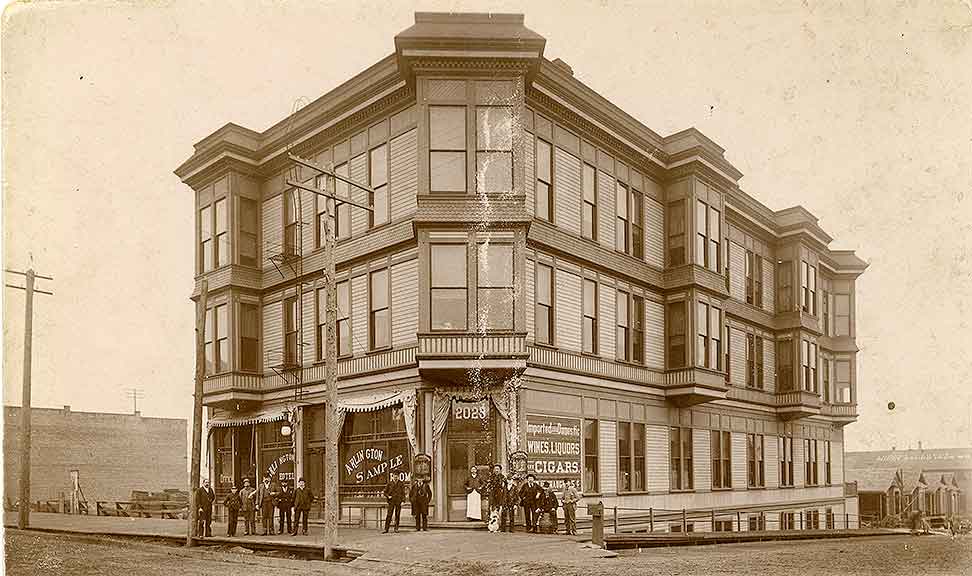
pixel 503 494
pixel 248 500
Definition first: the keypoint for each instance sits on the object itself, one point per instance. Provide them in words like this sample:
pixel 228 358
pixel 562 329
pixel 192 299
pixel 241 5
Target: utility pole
pixel 331 419
pixel 23 507
pixel 135 394
pixel 197 408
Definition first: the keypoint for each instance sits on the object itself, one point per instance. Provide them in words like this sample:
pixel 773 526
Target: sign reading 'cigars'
pixel 554 448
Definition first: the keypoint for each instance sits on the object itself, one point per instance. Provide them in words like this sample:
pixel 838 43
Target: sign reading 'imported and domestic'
pixel 554 449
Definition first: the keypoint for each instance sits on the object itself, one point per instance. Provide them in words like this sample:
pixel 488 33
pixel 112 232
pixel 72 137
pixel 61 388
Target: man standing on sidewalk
pixel 394 495
pixel 531 498
pixel 264 501
pixel 303 498
pixel 285 503
pixel 420 495
pixel 204 504
pixel 570 507
pixel 247 495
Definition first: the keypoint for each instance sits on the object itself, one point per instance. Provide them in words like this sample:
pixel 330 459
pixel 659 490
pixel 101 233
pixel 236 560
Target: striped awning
pixel 371 402
pixel 275 415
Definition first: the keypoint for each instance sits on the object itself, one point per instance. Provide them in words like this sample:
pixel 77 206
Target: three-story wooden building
pixel 539 272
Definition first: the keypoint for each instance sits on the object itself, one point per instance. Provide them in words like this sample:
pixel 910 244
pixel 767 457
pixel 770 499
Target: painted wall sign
pixel 554 448
pixel 282 468
pixel 366 464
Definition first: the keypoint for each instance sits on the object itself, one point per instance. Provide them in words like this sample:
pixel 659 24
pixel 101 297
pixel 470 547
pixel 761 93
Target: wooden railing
pixel 847 410
pixel 472 345
pixel 594 366
pixel 696 376
pixel 797 398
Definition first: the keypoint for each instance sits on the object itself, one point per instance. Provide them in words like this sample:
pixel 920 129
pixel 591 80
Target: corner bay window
pixel 544 307
pixel 681 458
pixel 495 294
pixel 590 317
pixel 784 296
pixel 631 457
pixel 809 285
pixel 544 191
pixel 785 450
pixel 755 464
pixel 448 287
pixel 494 149
pixel 447 149
pixel 676 334
pixel 676 233
pixel 708 349
pixel 809 350
pixel 249 337
pixel 707 237
pixel 754 361
pixel 214 235
pixel 249 224
pixel 842 386
pixel 591 483
pixel 784 357
pixel 217 340
pixel 841 315
pixel 721 449
pixel 378 177
pixel 379 322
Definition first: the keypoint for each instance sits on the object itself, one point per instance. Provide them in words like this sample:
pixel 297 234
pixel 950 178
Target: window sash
pixel 543 322
pixel 544 201
pixel 379 319
pixel 676 233
pixel 591 475
pixel 589 330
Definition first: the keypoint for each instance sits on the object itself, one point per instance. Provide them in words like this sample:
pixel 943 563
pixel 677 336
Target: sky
pixel 860 112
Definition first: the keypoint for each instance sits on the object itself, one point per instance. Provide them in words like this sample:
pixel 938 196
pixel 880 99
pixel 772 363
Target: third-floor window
pixel 291 199
pixel 754 279
pixel 707 227
pixel 447 149
pixel 676 233
pixel 544 192
pixel 378 179
pixel 809 284
pixel 379 321
pixel 214 235
pixel 494 149
pixel 589 210
pixel 754 361
pixel 628 234
pixel 249 225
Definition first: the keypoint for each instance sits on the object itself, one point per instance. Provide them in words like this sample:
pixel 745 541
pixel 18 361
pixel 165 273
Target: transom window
pixel 448 288
pixel 494 149
pixel 495 295
pixel 447 149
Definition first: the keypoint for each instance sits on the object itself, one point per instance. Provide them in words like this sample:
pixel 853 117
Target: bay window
pixel 676 233
pixel 494 149
pixel 495 294
pixel 809 285
pixel 249 337
pixel 448 287
pixel 216 345
pixel 249 226
pixel 447 149
pixel 675 324
pixel 708 231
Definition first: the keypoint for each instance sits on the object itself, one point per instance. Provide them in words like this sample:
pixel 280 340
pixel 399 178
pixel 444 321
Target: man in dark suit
pixel 532 499
pixel 285 503
pixel 264 502
pixel 303 498
pixel 420 495
pixel 394 495
pixel 204 507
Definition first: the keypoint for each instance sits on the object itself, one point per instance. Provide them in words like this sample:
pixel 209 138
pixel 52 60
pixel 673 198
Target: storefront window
pixel 276 455
pixel 373 444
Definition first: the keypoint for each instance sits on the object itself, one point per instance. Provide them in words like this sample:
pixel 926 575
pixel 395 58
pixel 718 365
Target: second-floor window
pixel 676 334
pixel 681 458
pixel 343 327
pixel 809 281
pixel 754 361
pixel 249 225
pixel 217 340
pixel 825 304
pixel 291 323
pixel 784 359
pixel 544 306
pixel 721 448
pixel 785 449
pixel 249 337
pixel 544 191
pixel 448 288
pixel 825 372
pixel 379 320
pixel 809 366
pixel 638 329
pixel 784 297
pixel 630 337
pixel 676 233
pixel 622 340
pixel 589 210
pixel 707 237
pixel 495 294
pixel 810 471
pixel 378 178
pixel 754 279
pixel 755 463
pixel 631 457
pixel 590 317
pixel 290 201
pixel 447 149
pixel 708 351
pixel 494 149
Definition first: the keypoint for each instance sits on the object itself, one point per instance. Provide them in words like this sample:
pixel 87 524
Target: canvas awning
pixel 247 419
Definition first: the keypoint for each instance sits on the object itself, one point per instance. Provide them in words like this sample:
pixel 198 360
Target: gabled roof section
pixel 450 35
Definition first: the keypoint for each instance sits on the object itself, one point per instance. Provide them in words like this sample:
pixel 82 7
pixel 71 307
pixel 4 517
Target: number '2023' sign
pixel 470 411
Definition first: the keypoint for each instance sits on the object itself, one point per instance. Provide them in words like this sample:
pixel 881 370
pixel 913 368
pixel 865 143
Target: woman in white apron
pixel 474 499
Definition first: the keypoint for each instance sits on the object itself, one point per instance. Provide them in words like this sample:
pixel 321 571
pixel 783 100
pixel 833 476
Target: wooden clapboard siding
pixel 530 167
pixel 529 307
pixel 273 330
pixel 359 173
pixel 658 458
pixel 738 441
pixel 737 355
pixel 769 286
pixel 737 271
pixel 654 233
pixel 272 229
pixel 567 191
pixel 701 459
pixel 836 462
pixel 567 311
pixel 798 465
pixel 608 457
pixel 403 176
pixel 359 314
pixel 404 301
pixel 606 314
pixel 771 456
pixel 769 365
pixel 654 334
pixel 309 336
pixel 605 209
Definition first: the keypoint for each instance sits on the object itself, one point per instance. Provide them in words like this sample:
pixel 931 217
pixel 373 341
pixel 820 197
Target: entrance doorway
pixel 471 440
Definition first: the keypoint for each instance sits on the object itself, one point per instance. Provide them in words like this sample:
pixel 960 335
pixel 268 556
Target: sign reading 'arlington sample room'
pixel 553 448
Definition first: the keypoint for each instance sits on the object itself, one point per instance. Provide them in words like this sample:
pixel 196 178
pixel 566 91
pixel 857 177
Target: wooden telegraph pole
pixel 331 418
pixel 197 407
pixel 23 508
